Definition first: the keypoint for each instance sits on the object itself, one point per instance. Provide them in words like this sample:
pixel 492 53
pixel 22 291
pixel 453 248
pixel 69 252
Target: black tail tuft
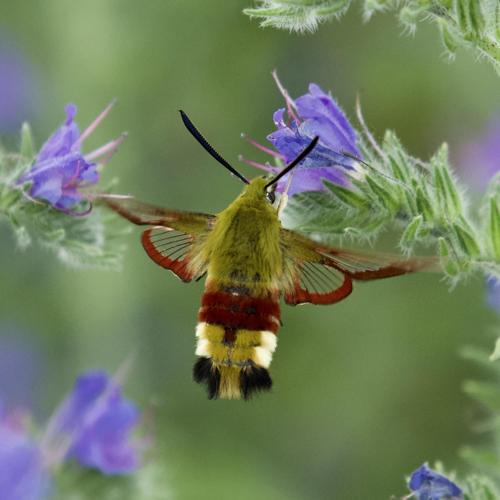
pixel 205 373
pixel 254 379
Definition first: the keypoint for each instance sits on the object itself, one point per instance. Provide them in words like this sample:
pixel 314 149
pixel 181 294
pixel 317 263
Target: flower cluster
pixel 61 170
pixel 427 484
pixel 313 114
pixel 93 426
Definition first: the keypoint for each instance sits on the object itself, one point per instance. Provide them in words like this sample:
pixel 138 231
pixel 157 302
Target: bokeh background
pixel 365 390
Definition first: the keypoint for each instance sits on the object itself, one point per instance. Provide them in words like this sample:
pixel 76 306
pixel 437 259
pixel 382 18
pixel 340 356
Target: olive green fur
pixel 244 245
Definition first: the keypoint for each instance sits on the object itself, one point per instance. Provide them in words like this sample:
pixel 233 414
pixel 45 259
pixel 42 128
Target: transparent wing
pixel 324 275
pixel 176 238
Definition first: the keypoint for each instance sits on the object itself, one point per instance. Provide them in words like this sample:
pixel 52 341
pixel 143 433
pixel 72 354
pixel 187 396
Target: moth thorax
pixel 233 362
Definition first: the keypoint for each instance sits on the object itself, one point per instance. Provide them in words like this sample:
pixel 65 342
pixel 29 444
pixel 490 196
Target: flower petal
pixel 318 116
pixel 318 104
pixel 99 420
pixel 427 484
pixel 22 474
pixel 62 140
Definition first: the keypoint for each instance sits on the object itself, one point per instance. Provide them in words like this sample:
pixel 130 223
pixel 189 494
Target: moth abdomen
pixel 236 340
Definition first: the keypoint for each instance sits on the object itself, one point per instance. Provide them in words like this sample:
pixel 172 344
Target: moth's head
pixel 257 189
pixel 260 187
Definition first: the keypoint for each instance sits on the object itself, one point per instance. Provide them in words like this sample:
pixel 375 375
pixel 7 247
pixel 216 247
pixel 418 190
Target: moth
pixel 250 261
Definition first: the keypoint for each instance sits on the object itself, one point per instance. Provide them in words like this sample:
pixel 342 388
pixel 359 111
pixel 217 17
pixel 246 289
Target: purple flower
pixel 93 425
pixel 61 170
pixel 98 422
pixel 427 484
pixel 494 293
pixel 313 114
pixel 16 86
pixel 480 158
pixel 20 367
pixel 23 475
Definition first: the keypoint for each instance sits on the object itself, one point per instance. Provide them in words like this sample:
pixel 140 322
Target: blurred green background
pixel 365 390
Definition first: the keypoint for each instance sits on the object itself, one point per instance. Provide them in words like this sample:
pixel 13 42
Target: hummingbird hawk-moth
pixel 249 261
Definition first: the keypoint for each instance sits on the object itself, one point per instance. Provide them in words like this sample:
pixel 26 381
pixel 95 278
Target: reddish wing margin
pixel 324 275
pixel 172 242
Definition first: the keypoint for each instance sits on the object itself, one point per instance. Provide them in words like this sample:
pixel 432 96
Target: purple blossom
pixel 480 158
pixel 493 296
pixel 93 425
pixel 98 421
pixel 427 484
pixel 61 170
pixel 23 475
pixel 313 114
pixel 16 86
pixel 20 367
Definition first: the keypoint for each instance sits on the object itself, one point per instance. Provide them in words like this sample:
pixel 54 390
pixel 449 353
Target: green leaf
pixel 487 393
pixel 466 240
pixel 448 262
pixel 477 487
pixel 346 196
pixel 297 15
pixel 476 17
pixel 424 206
pixel 445 185
pixel 450 40
pixel 495 228
pixel 383 194
pixel 474 24
pixel 495 355
pixel 410 234
pixel 27 148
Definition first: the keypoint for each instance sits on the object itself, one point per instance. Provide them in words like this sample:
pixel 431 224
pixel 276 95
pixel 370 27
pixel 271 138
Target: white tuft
pixel 262 357
pixel 200 330
pixel 203 348
pixel 268 340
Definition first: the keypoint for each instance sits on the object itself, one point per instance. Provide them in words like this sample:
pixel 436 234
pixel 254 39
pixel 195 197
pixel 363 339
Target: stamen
pixel 260 166
pixel 262 148
pixel 290 104
pixel 108 150
pixel 284 196
pixel 93 125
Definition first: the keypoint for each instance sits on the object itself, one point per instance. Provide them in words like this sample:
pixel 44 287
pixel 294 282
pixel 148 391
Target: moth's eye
pixel 270 197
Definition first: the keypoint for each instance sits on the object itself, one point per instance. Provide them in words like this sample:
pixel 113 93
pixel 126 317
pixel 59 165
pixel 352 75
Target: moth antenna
pixel 347 154
pixel 294 163
pixel 210 150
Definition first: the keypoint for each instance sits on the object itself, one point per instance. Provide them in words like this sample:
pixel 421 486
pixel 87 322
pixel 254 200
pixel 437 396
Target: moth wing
pixel 176 237
pixel 323 275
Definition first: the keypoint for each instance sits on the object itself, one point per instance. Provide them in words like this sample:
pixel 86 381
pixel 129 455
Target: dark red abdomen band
pixel 237 311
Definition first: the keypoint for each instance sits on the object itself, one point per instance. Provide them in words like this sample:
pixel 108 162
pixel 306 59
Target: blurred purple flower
pixel 427 484
pixel 480 158
pixel 61 170
pixel 99 421
pixel 21 362
pixel 313 114
pixel 23 475
pixel 93 425
pixel 17 87
pixel 494 293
